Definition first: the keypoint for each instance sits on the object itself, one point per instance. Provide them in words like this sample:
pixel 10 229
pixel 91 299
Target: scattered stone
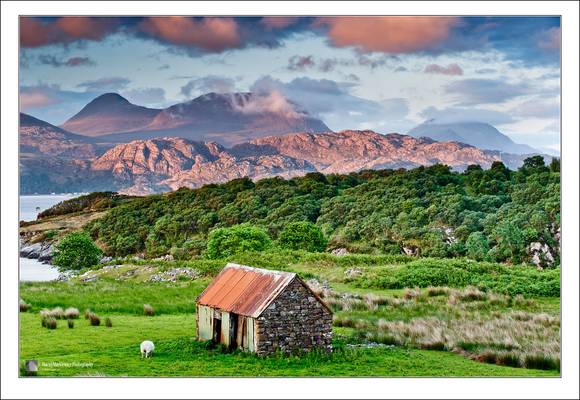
pixel 541 255
pixel 167 257
pixel 352 273
pixel 173 274
pixel 410 251
pixel 106 259
pixel 340 252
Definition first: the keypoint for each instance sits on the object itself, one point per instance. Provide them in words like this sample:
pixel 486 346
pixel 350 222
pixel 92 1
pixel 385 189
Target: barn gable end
pixel 297 320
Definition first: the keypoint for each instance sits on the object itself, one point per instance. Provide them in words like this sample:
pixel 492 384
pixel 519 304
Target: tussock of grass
pixel 23 306
pixel 148 310
pixel 94 319
pixel 70 323
pixel 108 322
pixel 71 313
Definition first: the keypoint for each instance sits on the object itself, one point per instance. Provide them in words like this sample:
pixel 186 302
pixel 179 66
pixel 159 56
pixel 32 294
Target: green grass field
pixel 457 330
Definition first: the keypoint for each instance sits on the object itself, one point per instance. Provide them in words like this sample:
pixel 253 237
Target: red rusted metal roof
pixel 244 290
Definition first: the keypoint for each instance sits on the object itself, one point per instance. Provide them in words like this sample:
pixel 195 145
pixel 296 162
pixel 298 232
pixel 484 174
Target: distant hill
pixel 44 139
pixel 477 134
pixel 109 113
pixel 224 118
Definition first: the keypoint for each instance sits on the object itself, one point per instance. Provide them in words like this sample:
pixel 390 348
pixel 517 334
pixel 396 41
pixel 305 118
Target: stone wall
pixel 295 321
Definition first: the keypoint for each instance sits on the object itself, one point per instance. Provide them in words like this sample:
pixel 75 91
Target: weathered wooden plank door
pixel 205 321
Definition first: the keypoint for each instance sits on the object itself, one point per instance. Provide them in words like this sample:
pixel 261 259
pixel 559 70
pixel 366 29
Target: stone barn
pixel 262 311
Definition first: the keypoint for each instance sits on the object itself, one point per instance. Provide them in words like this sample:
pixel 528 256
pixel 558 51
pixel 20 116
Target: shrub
pixel 70 323
pixel 76 251
pixel 50 323
pixel 71 313
pixel 87 313
pixel 94 319
pixel 302 235
pixel 225 242
pixel 108 322
pixel 23 306
pixel 148 310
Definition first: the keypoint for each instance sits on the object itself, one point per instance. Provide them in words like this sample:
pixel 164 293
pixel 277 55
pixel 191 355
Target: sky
pixel 388 74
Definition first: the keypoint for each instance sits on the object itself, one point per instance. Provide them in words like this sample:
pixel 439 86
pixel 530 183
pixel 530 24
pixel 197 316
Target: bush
pixel 70 323
pixel 148 310
pixel 108 322
pixel 302 235
pixel 71 313
pixel 76 251
pixel 225 242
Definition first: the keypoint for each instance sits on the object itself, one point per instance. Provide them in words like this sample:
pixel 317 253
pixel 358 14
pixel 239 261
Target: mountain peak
pixel 108 98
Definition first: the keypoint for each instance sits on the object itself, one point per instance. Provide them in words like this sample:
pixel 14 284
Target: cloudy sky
pixel 383 73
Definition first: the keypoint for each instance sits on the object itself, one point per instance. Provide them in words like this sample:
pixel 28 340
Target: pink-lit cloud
pixel 212 34
pixel 388 34
pixel 550 39
pixel 278 22
pixel 35 32
pixel 451 69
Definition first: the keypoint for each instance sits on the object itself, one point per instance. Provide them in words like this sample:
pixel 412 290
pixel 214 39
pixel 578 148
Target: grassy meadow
pixel 394 316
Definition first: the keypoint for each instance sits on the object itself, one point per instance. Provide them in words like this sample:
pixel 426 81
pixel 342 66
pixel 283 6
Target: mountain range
pixel 477 134
pixel 116 145
pixel 225 118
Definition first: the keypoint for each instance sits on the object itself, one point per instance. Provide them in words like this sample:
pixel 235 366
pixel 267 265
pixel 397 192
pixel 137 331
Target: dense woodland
pixel 486 215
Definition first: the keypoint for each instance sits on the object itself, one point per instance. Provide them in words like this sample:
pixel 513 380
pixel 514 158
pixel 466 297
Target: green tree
pixel 302 235
pixel 224 242
pixel 76 251
pixel 510 242
pixel 477 246
pixel 533 165
pixel 555 164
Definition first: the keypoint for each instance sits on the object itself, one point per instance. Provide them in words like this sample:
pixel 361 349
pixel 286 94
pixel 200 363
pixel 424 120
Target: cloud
pixel 163 67
pixel 145 96
pixel 300 63
pixel 451 69
pixel 34 97
pixel 210 83
pixel 400 69
pixel 105 84
pixel 396 108
pixel 466 114
pixel 278 22
pixel 36 32
pixel 550 39
pixel 51 103
pixel 210 34
pixel 388 34
pixel 47 59
pixel 537 109
pixel 339 109
pixel 485 91
pixel 485 71
pixel 271 102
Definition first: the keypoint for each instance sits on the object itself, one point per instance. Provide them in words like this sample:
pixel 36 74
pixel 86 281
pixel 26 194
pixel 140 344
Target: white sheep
pixel 147 348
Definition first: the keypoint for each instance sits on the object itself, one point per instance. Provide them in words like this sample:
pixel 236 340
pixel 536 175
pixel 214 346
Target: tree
pixel 302 235
pixel 533 165
pixel 555 164
pixel 477 246
pixel 76 251
pixel 224 242
pixel 510 242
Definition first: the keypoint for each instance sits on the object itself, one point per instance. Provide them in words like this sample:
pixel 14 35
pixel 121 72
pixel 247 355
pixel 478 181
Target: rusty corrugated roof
pixel 244 290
